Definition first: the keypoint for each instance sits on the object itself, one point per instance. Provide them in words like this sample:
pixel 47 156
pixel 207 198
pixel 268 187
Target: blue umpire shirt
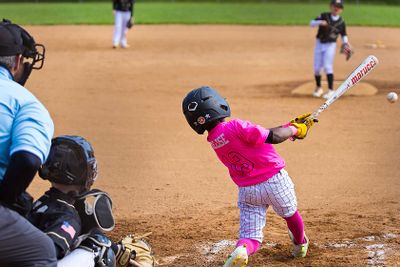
pixel 25 124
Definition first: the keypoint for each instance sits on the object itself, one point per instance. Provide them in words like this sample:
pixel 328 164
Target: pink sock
pixel 251 245
pixel 296 226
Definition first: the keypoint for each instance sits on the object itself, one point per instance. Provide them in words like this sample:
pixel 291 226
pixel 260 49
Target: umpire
pixel 26 130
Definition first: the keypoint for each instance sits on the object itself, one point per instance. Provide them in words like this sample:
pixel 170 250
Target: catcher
pixel 75 217
pixel 330 25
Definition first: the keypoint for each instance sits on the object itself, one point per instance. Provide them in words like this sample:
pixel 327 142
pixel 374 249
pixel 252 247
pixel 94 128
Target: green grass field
pixel 197 13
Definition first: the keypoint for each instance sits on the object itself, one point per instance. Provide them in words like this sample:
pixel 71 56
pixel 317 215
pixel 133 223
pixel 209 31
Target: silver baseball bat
pixel 355 77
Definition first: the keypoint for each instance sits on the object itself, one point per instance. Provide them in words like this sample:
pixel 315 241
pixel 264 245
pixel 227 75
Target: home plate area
pixel 376 249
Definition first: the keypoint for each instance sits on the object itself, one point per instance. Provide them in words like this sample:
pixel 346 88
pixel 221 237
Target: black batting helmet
pixel 71 161
pixel 202 106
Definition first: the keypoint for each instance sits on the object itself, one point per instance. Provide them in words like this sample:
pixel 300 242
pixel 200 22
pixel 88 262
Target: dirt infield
pixel 166 179
pixel 363 89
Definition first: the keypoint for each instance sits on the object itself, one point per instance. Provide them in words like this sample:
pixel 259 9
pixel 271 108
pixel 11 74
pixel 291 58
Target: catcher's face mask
pixel 95 209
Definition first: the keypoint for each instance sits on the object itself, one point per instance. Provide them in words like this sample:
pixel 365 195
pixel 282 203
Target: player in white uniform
pixel 123 12
pixel 330 25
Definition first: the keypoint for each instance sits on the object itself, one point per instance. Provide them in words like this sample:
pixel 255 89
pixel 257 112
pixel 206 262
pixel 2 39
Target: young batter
pixel 330 25
pixel 254 165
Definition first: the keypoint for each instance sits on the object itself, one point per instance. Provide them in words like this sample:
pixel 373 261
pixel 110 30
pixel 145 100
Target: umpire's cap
pixel 338 3
pixel 13 39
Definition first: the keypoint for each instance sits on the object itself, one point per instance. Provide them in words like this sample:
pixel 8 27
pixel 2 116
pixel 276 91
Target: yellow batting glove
pixel 310 122
pixel 303 127
pixel 302 118
pixel 301 130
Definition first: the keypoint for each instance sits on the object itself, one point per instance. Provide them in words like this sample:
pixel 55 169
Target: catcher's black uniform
pixel 54 213
pixel 329 34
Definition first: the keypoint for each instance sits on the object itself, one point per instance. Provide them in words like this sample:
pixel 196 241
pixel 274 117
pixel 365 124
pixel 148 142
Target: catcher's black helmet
pixel 71 161
pixel 202 106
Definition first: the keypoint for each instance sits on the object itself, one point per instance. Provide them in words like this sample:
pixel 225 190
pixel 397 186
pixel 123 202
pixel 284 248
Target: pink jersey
pixel 241 147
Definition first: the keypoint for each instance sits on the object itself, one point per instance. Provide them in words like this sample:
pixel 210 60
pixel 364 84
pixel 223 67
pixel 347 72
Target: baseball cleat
pixel 299 251
pixel 238 258
pixel 318 92
pixel 328 94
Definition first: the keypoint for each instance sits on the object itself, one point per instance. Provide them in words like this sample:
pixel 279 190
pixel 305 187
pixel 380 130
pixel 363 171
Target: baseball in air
pixel 392 97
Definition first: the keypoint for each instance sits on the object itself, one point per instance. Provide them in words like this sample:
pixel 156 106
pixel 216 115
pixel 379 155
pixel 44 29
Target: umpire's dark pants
pixel 22 244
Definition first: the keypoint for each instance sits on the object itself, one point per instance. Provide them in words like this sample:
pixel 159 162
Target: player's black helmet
pixel 71 161
pixel 202 106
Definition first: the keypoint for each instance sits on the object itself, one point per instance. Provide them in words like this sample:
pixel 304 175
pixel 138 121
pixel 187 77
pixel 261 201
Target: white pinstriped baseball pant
pixel 278 192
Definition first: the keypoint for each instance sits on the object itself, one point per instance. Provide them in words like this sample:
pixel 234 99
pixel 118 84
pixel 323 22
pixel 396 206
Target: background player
pixel 123 12
pixel 330 25
pixel 254 165
pixel 26 130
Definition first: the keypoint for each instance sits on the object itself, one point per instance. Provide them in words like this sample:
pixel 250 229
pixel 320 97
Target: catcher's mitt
pixel 347 50
pixel 135 251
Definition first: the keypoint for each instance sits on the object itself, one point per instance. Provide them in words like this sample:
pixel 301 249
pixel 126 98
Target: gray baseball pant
pixel 22 244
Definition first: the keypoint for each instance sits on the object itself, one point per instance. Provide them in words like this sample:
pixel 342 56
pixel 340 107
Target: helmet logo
pixel 201 120
pixel 192 106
